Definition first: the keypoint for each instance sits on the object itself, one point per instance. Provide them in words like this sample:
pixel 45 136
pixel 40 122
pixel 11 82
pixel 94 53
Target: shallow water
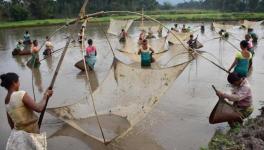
pixel 180 119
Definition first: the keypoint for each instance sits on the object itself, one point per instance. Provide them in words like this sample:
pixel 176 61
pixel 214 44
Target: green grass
pixel 221 141
pixel 29 23
pixel 177 15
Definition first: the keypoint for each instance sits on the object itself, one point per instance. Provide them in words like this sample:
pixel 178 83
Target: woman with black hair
pixel 241 96
pixel 20 106
pixel 91 54
pixel 242 60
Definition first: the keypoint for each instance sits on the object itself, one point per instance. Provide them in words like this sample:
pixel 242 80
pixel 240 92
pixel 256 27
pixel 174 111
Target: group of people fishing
pixel 20 106
pixel 241 94
pixel 19 102
pixel 145 50
pixel 33 48
pixel 184 29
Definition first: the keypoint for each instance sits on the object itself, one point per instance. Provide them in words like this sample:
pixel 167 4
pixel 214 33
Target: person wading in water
pixel 242 60
pixel 91 54
pixel 146 54
pixel 49 47
pixel 34 61
pixel 123 35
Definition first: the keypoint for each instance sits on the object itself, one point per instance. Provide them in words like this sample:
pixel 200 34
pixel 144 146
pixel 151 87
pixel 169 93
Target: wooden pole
pixel 56 72
pixel 89 83
pixel 53 80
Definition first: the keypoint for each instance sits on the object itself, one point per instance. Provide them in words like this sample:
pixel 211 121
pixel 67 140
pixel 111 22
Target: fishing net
pixel 116 26
pixel 224 112
pixel 250 24
pixel 182 36
pixel 222 26
pixel 132 46
pixel 154 29
pixel 126 96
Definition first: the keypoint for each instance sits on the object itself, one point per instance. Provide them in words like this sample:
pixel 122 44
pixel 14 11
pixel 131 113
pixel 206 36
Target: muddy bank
pixel 250 136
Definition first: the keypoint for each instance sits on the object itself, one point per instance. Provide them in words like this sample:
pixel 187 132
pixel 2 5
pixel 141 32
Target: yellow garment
pixel 48 45
pixel 23 118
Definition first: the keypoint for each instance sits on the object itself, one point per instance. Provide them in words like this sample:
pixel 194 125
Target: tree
pixel 18 11
pixel 167 6
pixel 41 9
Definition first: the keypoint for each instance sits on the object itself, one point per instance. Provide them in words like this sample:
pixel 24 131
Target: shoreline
pixel 163 16
pixel 246 137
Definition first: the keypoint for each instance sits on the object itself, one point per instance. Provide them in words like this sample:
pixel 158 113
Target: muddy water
pixel 179 121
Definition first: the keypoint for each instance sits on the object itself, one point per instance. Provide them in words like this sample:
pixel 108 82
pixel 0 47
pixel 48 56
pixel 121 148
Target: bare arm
pixel 10 122
pixel 240 95
pixel 139 51
pixel 233 65
pixel 38 107
pixel 151 49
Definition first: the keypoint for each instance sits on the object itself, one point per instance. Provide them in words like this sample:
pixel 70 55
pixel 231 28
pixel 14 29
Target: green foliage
pixel 18 12
pixel 225 5
pixel 221 141
pixel 167 6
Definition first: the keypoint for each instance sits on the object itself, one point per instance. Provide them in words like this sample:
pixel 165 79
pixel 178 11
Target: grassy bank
pixel 180 15
pixel 247 137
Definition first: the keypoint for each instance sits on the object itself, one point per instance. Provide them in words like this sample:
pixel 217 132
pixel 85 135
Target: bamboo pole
pixel 89 83
pixel 56 73
pixel 53 80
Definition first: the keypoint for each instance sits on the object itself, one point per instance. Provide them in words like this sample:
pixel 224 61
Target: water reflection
pixel 191 97
pixel 38 79
pixel 49 62
pixel 21 61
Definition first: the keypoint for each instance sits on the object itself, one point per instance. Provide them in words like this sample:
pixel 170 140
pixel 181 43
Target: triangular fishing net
pixel 182 36
pixel 250 24
pixel 116 26
pixel 154 29
pixel 126 96
pixel 132 46
pixel 222 26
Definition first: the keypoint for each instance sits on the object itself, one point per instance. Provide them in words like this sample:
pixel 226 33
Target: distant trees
pixel 18 11
pixel 225 5
pixel 167 6
pixel 40 9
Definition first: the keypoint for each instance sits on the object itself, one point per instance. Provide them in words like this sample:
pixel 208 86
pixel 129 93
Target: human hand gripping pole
pixel 53 81
pixel 60 62
pixel 218 93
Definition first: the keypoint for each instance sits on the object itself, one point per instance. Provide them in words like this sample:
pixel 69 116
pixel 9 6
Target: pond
pixel 178 121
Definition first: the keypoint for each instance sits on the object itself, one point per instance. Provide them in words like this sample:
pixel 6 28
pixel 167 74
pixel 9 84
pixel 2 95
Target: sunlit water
pixel 179 121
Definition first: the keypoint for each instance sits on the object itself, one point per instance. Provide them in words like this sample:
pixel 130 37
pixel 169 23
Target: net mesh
pixel 251 24
pixel 154 29
pixel 116 26
pixel 222 26
pixel 132 46
pixel 182 36
pixel 127 94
